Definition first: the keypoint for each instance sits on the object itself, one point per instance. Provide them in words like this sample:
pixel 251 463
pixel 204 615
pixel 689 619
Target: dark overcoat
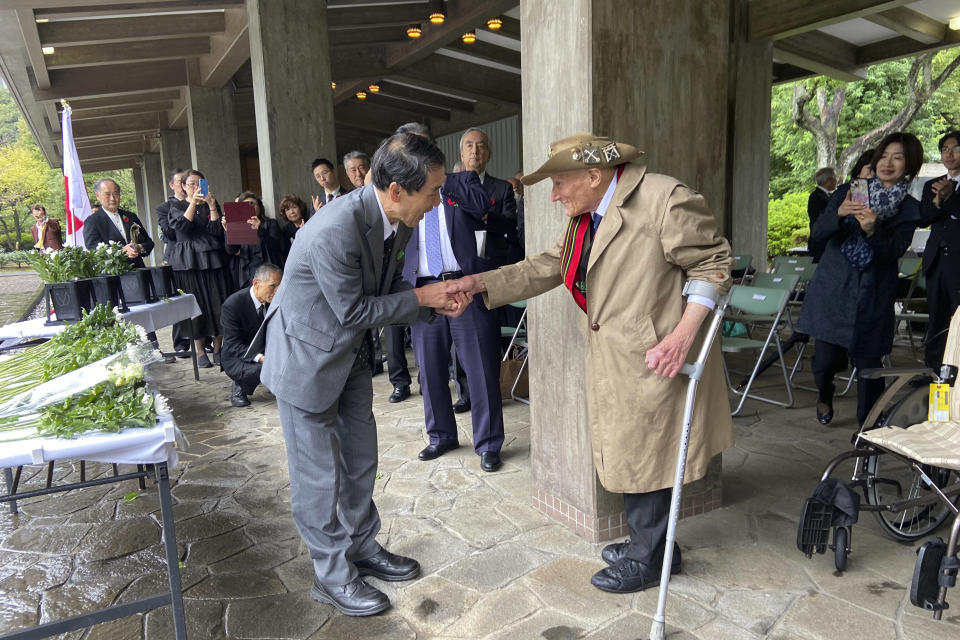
pixel 850 308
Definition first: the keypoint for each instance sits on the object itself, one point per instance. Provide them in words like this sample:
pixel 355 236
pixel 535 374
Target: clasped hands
pixel 942 189
pixel 449 297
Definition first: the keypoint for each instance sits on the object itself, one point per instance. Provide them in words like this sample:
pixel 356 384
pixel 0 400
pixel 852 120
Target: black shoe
pixel 204 362
pixel 490 460
pixel 461 406
pixel 388 566
pixel 182 347
pixel 356 598
pixel 182 353
pixel 627 576
pixel 432 451
pixel 207 348
pixel 378 368
pixel 400 393
pixel 612 553
pixel 824 412
pixel 237 397
pixel 216 358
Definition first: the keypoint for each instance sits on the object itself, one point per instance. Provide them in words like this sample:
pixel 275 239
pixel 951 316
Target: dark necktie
pixel 262 312
pixel 387 254
pixel 330 197
pixel 597 219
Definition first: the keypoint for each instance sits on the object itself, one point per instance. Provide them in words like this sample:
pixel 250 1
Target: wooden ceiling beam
pixel 821 53
pixel 126 99
pixel 784 18
pixel 76 32
pixel 110 150
pixel 148 6
pixel 113 79
pixel 229 50
pixel 902 47
pixel 488 52
pixel 103 127
pixel 479 82
pixel 125 110
pixel 128 162
pixel 425 97
pixel 403 105
pixel 911 24
pixel 100 142
pixel 113 52
pixel 31 42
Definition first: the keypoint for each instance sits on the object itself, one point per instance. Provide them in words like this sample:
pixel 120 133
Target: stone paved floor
pixel 493 567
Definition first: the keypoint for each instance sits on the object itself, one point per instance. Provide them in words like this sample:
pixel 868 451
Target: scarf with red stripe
pixel 576 254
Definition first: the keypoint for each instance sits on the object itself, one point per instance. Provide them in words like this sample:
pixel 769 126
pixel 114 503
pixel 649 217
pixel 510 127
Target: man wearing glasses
pixel 940 208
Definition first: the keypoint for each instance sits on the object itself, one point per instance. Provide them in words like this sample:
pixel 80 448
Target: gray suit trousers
pixel 332 457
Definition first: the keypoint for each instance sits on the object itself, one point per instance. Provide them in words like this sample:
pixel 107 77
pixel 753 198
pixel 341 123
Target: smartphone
pixel 859 193
pixel 204 187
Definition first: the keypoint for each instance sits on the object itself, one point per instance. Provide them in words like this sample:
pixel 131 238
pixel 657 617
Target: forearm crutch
pixel 694 372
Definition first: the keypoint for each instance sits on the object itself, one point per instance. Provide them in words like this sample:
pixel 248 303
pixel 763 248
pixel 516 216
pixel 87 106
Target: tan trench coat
pixel 656 234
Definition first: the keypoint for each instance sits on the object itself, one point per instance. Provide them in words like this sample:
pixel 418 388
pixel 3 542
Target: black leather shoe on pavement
pixel 612 553
pixel 356 598
pixel 182 353
pixel 824 412
pixel 388 566
pixel 400 393
pixel 432 451
pixel 461 406
pixel 627 576
pixel 490 460
pixel 237 397
pixel 203 361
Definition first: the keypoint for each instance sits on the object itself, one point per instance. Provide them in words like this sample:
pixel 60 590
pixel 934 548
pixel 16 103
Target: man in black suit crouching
pixel 240 317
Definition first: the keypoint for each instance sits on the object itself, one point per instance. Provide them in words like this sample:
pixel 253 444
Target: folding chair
pixel 741 265
pixel 764 305
pixel 782 262
pixel 518 341
pixel 910 267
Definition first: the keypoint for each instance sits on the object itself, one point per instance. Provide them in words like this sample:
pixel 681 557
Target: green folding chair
pixel 761 305
pixel 518 348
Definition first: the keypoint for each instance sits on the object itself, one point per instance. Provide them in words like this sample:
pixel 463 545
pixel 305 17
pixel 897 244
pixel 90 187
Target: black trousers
pixel 830 359
pixel 648 515
pixel 249 378
pixel 943 298
pixel 397 356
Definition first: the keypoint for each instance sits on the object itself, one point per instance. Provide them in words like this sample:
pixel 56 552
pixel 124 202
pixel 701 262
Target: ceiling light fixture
pixel 437 17
pixel 955 23
pixel 469 37
pixel 42 20
pixel 333 85
pixel 494 24
pixel 374 88
pixel 47 50
pixel 361 95
pixel 414 31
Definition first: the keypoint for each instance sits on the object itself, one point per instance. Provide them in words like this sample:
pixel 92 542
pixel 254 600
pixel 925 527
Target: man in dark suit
pixel 444 247
pixel 826 179
pixel 503 240
pixel 181 344
pixel 111 223
pixel 343 279
pixel 240 317
pixel 940 208
pixel 325 173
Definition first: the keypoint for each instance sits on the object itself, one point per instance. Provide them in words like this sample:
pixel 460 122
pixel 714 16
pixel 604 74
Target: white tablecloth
pixel 149 316
pixel 131 446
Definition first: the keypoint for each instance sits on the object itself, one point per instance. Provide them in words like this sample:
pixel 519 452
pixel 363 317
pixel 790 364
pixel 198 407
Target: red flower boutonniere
pixel 492 201
pixel 126 219
pixel 452 203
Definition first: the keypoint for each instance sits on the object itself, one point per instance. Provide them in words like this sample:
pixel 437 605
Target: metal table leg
pixel 8 477
pixel 170 547
pixel 193 357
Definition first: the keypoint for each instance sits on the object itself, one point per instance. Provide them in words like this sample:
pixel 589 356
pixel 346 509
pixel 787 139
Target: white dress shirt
pixel 117 222
pixel 389 228
pixel 446 247
pixel 256 305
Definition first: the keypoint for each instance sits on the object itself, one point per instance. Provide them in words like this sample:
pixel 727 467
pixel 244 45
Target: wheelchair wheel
pixel 841 543
pixel 895 480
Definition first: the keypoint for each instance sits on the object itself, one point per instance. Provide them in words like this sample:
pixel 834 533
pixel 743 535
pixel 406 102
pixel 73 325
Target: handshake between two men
pixel 449 297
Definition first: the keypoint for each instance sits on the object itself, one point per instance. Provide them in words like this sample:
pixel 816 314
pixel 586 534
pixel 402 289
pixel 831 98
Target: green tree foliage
pixel 27 179
pixel 787 223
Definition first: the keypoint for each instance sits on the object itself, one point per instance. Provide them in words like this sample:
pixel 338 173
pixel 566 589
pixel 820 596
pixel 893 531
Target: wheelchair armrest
pixel 895 372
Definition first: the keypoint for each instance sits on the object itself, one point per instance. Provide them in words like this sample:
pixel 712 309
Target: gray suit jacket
pixel 331 294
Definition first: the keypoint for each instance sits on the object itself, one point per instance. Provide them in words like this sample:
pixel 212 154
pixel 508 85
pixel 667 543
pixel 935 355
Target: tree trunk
pixel 824 125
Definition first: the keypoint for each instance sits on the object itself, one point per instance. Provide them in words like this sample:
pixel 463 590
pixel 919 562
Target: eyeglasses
pixel 110 194
pixel 947 149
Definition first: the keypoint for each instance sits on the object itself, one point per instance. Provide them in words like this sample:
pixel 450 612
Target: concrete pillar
pixel 654 74
pixel 294 111
pixel 174 154
pixel 214 149
pixel 750 140
pixel 154 192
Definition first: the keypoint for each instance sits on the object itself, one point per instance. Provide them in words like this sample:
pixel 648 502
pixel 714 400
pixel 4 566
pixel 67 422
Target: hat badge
pixel 575 155
pixel 591 154
pixel 610 152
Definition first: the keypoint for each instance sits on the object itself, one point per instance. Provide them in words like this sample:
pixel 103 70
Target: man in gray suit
pixel 343 280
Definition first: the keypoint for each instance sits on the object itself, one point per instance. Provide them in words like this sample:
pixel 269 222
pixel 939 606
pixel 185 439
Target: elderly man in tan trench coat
pixel 634 243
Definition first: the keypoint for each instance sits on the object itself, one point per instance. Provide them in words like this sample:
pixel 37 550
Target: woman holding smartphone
pixel 848 306
pixel 199 261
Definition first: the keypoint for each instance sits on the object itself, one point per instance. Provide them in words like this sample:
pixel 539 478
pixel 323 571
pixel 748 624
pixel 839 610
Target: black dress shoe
pixel 400 393
pixel 237 397
pixel 490 460
pixel 432 451
pixel 627 576
pixel 824 412
pixel 356 598
pixel 461 406
pixel 204 362
pixel 612 553
pixel 388 566
pixel 182 353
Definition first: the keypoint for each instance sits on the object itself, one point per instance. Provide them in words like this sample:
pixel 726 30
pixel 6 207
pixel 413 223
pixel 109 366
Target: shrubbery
pixel 14 258
pixel 787 223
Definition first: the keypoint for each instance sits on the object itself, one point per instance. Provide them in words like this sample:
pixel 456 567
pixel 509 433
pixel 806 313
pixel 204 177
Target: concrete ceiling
pixel 124 64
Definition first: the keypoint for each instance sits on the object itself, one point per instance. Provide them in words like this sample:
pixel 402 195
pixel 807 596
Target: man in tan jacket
pixel 635 243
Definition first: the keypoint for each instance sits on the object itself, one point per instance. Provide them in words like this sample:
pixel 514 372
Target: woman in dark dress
pixel 848 306
pixel 294 211
pixel 200 263
pixel 245 258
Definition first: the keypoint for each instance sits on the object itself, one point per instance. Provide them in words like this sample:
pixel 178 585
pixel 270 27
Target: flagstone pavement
pixel 493 566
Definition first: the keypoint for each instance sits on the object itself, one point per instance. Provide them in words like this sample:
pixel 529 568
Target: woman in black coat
pixel 199 262
pixel 245 258
pixel 294 211
pixel 848 306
